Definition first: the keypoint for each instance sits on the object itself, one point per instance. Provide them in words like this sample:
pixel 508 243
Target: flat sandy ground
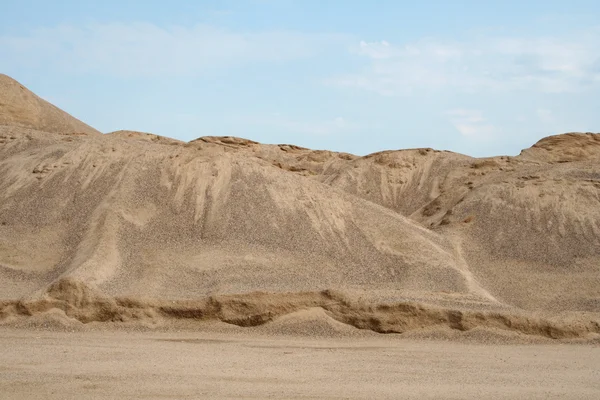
pixel 114 365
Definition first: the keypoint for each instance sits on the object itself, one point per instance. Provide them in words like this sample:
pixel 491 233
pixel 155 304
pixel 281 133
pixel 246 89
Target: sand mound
pixel 505 242
pixel 309 322
pixel 567 147
pixel 20 107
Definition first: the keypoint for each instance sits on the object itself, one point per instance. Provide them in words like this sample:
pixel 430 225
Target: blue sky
pixel 476 77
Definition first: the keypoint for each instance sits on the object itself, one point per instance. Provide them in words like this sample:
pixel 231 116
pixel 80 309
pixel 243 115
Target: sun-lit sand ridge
pixel 135 228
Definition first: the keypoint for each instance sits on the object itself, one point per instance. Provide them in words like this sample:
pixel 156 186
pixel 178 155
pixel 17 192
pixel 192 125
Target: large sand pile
pixel 131 226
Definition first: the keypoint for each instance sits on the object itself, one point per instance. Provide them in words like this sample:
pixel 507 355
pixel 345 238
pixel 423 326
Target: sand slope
pixel 21 107
pixel 435 238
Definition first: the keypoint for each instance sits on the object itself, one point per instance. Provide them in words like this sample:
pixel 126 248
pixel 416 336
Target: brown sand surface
pixel 168 365
pixel 135 229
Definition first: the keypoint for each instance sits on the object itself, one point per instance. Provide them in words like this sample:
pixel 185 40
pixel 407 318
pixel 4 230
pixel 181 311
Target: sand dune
pixel 115 227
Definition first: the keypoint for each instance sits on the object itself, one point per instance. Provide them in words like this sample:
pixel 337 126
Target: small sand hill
pixel 567 147
pixel 131 226
pixel 20 107
pixel 310 322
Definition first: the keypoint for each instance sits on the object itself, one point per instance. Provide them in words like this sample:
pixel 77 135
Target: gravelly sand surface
pixel 112 365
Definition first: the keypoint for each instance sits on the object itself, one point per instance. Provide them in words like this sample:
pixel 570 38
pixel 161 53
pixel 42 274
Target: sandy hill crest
pixel 131 226
pixel 21 107
pixel 567 147
pixel 145 136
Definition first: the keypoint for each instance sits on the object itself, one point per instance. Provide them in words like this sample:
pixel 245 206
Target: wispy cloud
pixel 304 127
pixel 471 123
pixel 543 64
pixel 148 50
pixel 377 50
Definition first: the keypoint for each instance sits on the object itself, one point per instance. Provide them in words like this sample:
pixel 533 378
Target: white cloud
pixel 148 50
pixel 548 64
pixel 471 123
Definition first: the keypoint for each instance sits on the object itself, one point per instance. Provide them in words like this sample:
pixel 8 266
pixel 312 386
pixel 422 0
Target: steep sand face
pixel 20 107
pixel 406 240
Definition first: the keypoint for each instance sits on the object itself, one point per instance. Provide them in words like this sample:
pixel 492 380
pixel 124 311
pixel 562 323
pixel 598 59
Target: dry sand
pixel 117 365
pixel 21 107
pixel 135 231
